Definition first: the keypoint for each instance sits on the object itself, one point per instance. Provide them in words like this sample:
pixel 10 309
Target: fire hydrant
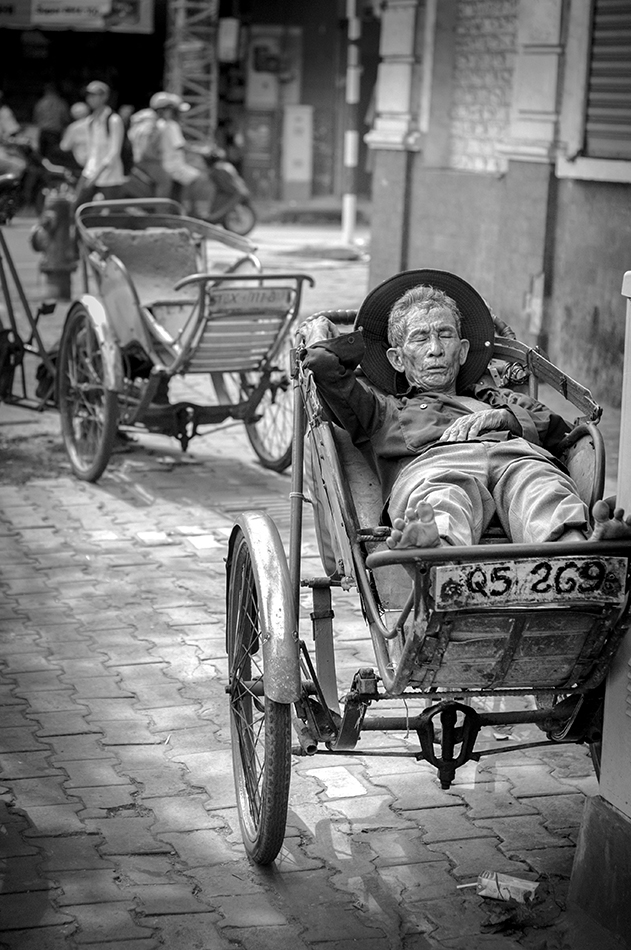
pixel 53 237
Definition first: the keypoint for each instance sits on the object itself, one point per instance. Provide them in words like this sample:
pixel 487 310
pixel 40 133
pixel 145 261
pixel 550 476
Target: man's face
pixel 432 353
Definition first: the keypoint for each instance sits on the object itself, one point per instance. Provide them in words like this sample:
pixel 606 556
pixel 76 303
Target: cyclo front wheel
pixel 88 410
pixel 260 727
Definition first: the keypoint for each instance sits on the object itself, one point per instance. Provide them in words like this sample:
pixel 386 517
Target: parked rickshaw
pixel 534 626
pixel 165 296
pixel 163 299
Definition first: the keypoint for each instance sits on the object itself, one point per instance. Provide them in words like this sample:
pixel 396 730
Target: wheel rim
pixel 272 435
pixel 240 220
pixel 84 400
pixel 246 707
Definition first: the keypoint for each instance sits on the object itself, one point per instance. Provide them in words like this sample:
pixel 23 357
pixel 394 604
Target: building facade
pixel 502 151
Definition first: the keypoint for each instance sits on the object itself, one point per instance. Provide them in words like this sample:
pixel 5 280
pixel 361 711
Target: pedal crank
pixel 452 735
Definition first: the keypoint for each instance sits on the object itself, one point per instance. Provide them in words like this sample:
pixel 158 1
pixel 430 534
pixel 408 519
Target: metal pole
pixel 351 134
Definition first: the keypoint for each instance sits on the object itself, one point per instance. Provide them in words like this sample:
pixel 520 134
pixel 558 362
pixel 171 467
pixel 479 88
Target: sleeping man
pixel 450 449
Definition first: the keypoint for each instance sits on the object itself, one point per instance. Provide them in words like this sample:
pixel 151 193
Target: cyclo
pixel 166 296
pixel 532 628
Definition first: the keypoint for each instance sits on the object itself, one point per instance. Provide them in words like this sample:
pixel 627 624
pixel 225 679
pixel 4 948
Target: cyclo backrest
pixel 155 258
pixel 242 322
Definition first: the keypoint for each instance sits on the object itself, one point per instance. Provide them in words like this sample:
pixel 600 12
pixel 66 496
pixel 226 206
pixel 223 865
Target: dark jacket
pixel 396 428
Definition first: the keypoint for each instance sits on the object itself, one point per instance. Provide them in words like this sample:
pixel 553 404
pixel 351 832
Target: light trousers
pixel 466 483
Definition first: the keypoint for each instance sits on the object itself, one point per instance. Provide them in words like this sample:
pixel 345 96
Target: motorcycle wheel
pixel 241 219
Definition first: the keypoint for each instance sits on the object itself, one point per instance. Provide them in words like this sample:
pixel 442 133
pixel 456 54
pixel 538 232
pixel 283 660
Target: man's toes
pixel 425 512
pixel 601 511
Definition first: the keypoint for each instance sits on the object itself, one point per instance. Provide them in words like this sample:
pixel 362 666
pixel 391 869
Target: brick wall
pixel 484 62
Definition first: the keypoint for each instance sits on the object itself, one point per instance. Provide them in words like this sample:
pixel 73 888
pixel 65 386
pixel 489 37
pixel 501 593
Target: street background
pixel 119 823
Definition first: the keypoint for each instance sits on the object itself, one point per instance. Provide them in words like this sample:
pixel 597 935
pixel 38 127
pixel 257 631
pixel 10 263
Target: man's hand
pixel 314 330
pixel 471 427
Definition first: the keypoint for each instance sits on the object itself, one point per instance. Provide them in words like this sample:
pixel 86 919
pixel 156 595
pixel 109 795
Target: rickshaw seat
pixel 583 456
pixel 155 258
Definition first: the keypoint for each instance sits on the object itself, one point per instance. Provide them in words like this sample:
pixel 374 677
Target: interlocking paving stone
pixel 43 790
pixel 182 814
pixel 30 910
pixel 202 846
pixel 50 820
pixel 128 835
pixel 522 833
pixel 89 887
pixel 112 922
pixel 20 739
pixel 21 874
pixel 69 747
pixel 198 930
pixel 474 855
pixel 104 797
pixel 77 852
pixel 26 765
pixel 56 701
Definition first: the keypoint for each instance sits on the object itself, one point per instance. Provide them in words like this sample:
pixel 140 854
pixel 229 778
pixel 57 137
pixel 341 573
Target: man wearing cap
pixel 103 169
pixel 197 191
pixel 450 449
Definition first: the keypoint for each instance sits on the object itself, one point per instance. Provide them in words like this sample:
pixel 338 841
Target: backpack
pixel 144 136
pixel 127 154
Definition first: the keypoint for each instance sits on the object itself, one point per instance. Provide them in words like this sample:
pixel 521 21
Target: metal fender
pixel 275 600
pixel 112 360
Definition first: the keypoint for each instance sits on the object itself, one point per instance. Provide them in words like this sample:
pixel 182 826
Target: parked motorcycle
pixel 38 175
pixel 232 206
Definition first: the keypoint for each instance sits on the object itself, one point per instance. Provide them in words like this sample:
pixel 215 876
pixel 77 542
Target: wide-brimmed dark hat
pixel 372 316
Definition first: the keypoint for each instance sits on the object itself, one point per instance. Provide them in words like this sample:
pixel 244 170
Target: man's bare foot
pixel 610 525
pixel 417 529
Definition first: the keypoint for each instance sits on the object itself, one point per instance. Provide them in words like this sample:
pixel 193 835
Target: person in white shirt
pixel 103 169
pixel 75 137
pixel 197 191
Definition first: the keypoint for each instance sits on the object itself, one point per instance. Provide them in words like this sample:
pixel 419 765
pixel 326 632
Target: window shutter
pixel 608 121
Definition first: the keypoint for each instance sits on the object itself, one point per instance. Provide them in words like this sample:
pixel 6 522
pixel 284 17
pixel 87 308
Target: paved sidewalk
pixel 120 826
pixel 119 823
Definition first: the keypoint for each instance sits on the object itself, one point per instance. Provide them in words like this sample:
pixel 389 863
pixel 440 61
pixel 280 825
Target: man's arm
pixel 333 362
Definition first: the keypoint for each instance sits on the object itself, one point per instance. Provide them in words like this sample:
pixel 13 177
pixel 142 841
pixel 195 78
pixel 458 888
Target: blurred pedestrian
pixel 9 125
pixel 103 171
pixel 148 174
pixel 197 191
pixel 51 115
pixel 10 162
pixel 75 138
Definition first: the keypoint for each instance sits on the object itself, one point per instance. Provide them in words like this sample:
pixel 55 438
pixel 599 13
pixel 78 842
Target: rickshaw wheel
pixel 272 436
pixel 88 411
pixel 240 219
pixel 260 727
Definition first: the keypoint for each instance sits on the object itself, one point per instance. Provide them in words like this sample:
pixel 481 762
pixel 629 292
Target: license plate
pixel 246 298
pixel 534 581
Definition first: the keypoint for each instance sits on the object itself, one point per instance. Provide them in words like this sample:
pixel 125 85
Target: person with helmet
pixel 197 190
pixel 148 174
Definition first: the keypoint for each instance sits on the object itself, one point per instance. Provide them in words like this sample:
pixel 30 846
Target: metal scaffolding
pixel 191 63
